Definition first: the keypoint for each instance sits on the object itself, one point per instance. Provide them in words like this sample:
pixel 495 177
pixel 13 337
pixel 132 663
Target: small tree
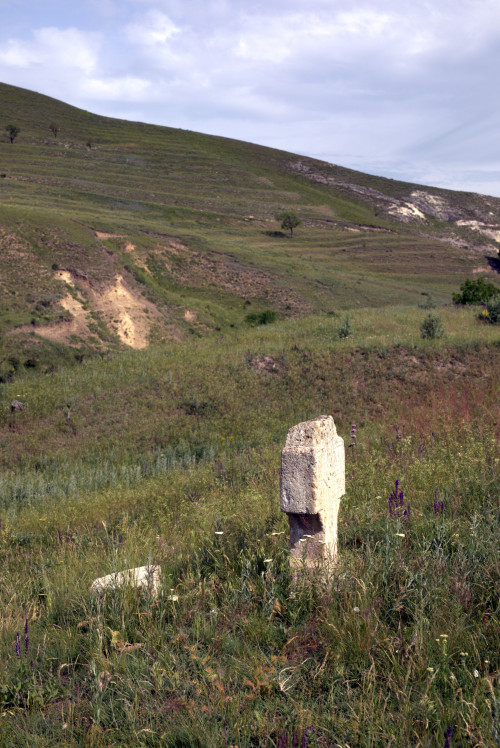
pixel 13 132
pixel 54 128
pixel 475 292
pixel 289 220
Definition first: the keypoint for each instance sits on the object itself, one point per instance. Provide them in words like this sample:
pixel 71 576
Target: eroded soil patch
pixel 124 311
pixel 191 268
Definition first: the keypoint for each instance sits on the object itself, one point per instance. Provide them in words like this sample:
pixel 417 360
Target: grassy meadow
pixel 168 451
pixel 167 447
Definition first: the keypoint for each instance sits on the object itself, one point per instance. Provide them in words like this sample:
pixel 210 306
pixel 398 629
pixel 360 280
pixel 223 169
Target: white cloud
pixel 67 48
pixel 155 29
pixel 127 89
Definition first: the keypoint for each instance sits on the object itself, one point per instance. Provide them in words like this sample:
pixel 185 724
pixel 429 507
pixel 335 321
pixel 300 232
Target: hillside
pixel 150 419
pixel 117 233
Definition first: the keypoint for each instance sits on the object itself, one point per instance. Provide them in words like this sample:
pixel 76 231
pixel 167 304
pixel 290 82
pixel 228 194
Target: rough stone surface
pixel 312 467
pixel 312 482
pixel 148 577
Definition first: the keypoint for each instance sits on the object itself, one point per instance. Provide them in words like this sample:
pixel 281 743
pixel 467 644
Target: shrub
pixel 345 328
pixel 261 318
pixel 475 292
pixel 491 312
pixel 432 327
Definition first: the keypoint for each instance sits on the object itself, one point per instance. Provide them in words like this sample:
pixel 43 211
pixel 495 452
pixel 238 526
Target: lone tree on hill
pixel 13 132
pixel 289 220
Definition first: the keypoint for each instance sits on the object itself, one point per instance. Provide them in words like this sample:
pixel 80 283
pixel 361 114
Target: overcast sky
pixel 405 89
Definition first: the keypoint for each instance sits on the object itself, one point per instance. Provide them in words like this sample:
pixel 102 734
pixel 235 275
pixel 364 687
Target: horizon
pixel 396 90
pixel 263 145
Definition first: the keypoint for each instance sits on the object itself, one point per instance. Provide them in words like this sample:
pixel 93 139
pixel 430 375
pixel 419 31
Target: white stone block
pixel 312 467
pixel 148 577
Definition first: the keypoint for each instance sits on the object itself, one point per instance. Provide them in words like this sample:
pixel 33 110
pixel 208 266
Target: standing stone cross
pixel 312 482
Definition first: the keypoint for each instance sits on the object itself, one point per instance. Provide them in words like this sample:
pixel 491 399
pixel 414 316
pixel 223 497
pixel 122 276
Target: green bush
pixel 261 318
pixel 475 292
pixel 491 312
pixel 432 327
pixel 345 328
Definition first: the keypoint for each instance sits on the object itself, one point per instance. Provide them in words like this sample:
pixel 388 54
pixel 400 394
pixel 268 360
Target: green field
pixel 155 414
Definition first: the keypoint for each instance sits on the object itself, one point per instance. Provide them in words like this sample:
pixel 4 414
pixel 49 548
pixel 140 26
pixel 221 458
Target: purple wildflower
pixel 438 505
pixel 396 503
pixel 353 435
pixel 396 500
pixel 26 638
pixel 447 735
pixel 400 432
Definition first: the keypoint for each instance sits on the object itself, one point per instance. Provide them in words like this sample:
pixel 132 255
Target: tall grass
pixel 397 647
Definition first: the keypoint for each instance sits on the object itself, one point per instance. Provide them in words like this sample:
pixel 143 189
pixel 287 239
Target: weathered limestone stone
pixel 312 482
pixel 148 577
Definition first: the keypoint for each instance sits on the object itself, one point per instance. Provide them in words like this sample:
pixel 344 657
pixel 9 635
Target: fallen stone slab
pixel 147 577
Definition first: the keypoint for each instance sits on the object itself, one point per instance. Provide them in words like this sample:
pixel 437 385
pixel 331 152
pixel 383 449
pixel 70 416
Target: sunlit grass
pixel 396 647
pixel 171 456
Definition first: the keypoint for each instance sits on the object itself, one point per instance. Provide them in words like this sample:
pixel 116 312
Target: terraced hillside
pixel 119 233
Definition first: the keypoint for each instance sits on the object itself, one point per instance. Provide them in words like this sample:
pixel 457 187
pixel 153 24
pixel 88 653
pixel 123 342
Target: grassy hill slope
pixel 117 233
pixel 153 420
